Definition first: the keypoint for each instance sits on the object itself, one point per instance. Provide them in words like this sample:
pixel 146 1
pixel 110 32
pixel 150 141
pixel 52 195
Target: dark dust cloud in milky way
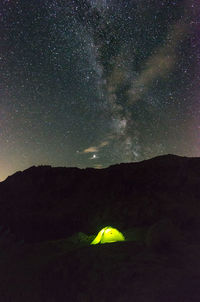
pixel 98 82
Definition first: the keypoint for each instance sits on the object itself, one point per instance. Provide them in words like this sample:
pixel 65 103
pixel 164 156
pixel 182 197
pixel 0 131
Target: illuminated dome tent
pixel 107 235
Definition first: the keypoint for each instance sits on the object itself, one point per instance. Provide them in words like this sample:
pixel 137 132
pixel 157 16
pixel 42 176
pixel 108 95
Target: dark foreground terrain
pixel 122 271
pixel 49 216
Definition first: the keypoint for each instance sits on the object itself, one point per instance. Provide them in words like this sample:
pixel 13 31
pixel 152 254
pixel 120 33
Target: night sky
pixel 98 82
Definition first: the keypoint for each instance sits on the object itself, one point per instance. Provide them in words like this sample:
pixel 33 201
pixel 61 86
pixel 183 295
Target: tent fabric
pixel 108 235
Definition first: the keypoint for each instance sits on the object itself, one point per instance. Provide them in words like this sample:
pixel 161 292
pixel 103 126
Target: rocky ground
pixel 73 270
pixel 46 214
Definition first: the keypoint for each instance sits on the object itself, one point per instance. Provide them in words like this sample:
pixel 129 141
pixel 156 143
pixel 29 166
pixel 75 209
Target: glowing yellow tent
pixel 107 235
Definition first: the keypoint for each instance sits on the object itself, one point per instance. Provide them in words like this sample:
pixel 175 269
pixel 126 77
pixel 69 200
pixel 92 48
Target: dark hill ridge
pixel 45 203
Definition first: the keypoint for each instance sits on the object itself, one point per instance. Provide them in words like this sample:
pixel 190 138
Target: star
pixel 116 79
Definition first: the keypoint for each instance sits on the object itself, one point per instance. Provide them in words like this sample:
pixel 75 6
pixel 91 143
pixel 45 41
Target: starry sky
pixel 92 83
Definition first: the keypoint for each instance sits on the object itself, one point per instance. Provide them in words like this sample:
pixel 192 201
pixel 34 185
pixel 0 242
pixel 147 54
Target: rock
pixel 163 236
pixel 81 238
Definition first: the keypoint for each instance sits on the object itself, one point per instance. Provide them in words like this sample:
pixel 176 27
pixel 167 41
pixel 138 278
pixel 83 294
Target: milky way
pixel 98 82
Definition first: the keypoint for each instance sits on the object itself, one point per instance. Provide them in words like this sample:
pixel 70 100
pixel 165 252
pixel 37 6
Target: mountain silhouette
pixel 45 203
pixel 50 216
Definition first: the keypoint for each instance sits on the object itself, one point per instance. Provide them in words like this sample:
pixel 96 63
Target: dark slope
pixel 119 272
pixel 45 203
